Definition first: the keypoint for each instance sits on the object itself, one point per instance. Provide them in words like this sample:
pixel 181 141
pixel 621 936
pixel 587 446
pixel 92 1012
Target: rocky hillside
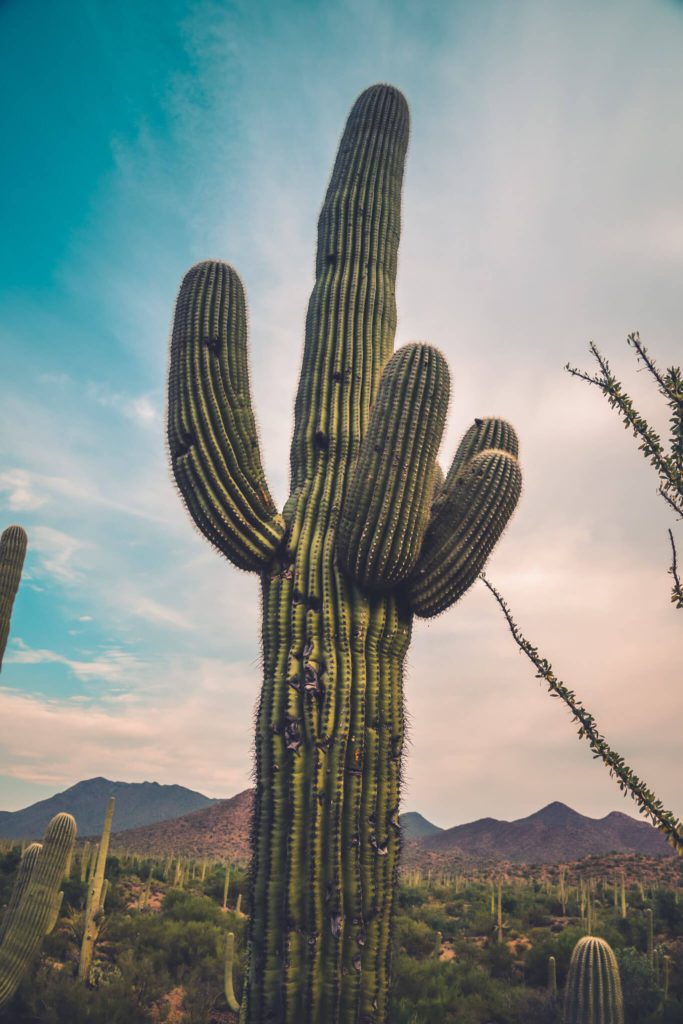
pixel 137 803
pixel 220 831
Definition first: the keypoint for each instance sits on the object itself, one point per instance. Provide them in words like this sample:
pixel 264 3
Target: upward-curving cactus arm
pixel 211 428
pixel 469 514
pixel 12 553
pixel 386 508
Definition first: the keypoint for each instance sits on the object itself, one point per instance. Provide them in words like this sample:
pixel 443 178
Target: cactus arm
pixel 12 553
pixel 386 508
pixel 24 872
pixel 33 911
pixel 469 514
pixel 211 428
pixel 54 913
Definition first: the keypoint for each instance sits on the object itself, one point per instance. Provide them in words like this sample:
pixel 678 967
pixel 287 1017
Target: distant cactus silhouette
pixel 369 537
pixel 12 553
pixel 593 991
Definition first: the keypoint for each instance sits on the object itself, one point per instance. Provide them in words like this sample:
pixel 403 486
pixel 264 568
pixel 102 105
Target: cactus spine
pixel 97 892
pixel 364 543
pixel 593 993
pixel 12 553
pixel 30 912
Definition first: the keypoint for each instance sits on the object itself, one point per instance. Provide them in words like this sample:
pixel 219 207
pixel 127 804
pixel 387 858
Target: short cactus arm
pixel 12 553
pixel 386 508
pixel 469 514
pixel 211 428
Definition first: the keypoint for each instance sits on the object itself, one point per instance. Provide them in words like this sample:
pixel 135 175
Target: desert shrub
pixel 642 995
pixel 186 906
pixel 415 937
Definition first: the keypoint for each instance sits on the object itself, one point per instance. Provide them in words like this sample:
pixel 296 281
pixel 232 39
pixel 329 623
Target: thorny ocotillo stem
pixel 626 778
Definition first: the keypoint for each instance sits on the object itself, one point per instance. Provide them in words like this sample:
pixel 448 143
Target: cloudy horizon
pixel 541 210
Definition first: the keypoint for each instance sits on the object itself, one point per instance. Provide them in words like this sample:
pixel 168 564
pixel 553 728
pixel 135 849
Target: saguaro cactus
pixel 12 553
pixel 593 993
pixel 31 910
pixel 94 906
pixel 367 539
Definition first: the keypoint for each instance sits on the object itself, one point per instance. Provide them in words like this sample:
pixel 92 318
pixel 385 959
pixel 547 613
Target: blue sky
pixel 542 208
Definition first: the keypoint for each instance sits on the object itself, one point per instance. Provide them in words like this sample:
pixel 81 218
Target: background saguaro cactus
pixel 12 553
pixel 369 536
pixel 31 910
pixel 94 906
pixel 593 993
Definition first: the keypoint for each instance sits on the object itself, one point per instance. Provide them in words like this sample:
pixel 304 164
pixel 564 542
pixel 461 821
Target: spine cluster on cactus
pixel 369 537
pixel 12 554
pixel 34 904
pixel 593 992
pixel 97 891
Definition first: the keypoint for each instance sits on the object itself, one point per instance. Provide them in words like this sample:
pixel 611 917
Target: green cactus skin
pixel 438 945
pixel 97 891
pixel 54 914
pixel 358 549
pixel 226 886
pixel 12 554
pixel 31 910
pixel 552 980
pixel 650 936
pixel 24 872
pixel 85 860
pixel 593 992
pixel 230 996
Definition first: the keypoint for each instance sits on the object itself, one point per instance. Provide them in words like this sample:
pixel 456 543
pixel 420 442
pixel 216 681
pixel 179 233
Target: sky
pixel 542 209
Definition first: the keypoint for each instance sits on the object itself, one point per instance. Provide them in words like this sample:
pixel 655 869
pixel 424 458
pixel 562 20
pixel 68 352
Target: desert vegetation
pixel 468 948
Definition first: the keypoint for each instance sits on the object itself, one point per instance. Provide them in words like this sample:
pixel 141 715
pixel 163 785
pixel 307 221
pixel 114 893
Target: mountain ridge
pixel 553 834
pixel 155 818
pixel 136 803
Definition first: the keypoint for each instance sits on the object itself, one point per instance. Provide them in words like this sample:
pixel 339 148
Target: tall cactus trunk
pixel 329 746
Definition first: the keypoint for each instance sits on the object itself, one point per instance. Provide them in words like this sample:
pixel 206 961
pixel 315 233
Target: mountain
pixel 554 834
pixel 220 831
pixel 137 803
pixel 414 826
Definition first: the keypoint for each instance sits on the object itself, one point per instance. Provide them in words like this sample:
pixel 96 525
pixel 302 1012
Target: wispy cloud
pixel 204 727
pixel 109 666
